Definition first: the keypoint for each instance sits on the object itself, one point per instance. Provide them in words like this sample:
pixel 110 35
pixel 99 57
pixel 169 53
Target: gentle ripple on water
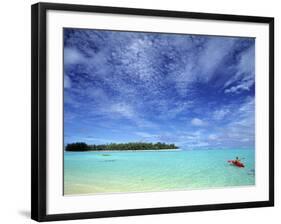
pixel 99 172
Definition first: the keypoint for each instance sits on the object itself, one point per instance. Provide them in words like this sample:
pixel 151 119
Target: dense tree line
pixel 81 146
pixel 77 146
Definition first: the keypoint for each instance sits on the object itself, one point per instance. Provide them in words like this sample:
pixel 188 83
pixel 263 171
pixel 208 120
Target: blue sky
pixel 192 90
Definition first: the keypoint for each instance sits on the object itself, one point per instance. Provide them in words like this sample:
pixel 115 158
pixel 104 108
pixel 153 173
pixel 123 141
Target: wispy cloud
pixel 221 113
pixel 73 56
pixel 145 134
pixel 214 53
pixel 159 87
pixel 212 137
pixel 244 77
pixel 198 122
pixel 67 82
pixel 122 109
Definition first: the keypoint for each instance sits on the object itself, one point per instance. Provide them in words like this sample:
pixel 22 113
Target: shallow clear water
pixel 112 172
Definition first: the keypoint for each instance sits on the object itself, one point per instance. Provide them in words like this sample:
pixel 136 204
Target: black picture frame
pixel 38 108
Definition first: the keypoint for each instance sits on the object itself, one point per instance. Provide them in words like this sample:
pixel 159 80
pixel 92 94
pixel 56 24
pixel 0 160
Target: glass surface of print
pixel 157 111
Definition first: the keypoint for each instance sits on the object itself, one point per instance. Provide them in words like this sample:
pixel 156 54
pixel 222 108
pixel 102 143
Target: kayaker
pixel 237 162
pixel 237 159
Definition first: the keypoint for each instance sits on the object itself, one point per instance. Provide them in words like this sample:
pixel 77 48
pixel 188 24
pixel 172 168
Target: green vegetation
pixel 81 146
pixel 77 146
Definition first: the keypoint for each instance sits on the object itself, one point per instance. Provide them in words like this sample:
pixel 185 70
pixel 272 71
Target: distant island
pixel 82 146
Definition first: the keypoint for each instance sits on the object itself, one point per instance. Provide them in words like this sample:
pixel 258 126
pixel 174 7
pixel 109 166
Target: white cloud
pixel 176 109
pixel 67 82
pixel 248 107
pixel 214 52
pixel 123 109
pixel 72 56
pixel 244 78
pixel 145 134
pixel 200 64
pixel 198 122
pixel 213 137
pixel 241 128
pixel 244 85
pixel 220 114
pixel 125 78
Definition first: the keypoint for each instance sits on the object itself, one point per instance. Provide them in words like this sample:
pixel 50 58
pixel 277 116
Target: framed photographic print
pixel 138 111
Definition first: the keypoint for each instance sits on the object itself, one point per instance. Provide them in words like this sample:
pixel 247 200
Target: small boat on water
pixel 236 163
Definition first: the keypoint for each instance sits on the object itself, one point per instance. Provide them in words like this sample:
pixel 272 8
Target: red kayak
pixel 236 163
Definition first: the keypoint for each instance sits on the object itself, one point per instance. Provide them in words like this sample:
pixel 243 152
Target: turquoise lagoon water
pixel 142 171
